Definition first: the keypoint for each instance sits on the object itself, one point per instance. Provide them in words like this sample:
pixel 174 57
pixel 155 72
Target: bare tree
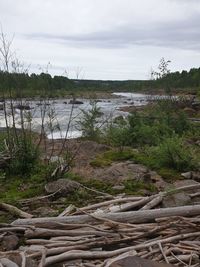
pixel 6 53
pixel 163 69
pixel 79 73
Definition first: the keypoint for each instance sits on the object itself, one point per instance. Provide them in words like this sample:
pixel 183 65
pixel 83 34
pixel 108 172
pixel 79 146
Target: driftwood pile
pixel 98 234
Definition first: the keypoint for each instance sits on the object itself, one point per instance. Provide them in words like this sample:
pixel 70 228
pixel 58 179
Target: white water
pixel 62 109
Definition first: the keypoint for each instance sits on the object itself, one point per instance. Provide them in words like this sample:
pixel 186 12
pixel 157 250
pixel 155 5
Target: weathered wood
pixel 71 255
pixel 40 232
pixel 76 254
pixel 108 202
pixel 140 216
pixel 15 211
pixel 153 203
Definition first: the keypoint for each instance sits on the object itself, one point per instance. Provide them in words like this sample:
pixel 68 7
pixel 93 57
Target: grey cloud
pixel 183 34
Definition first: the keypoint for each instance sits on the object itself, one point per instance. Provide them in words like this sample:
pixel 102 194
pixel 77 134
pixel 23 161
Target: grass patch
pixel 169 175
pixel 110 156
pixel 137 187
pixel 16 188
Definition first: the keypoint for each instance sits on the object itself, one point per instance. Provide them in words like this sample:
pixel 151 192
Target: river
pixel 58 113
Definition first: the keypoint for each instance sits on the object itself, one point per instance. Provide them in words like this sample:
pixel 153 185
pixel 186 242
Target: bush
pixel 25 156
pixel 89 123
pixel 116 135
pixel 172 153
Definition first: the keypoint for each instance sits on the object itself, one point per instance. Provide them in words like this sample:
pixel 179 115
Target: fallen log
pixel 15 211
pixel 78 254
pixel 40 232
pixel 108 202
pixel 141 216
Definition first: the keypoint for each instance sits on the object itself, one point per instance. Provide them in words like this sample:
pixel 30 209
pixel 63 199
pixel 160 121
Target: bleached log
pixel 72 255
pixel 67 211
pixel 15 211
pixel 40 232
pixel 8 263
pixel 153 203
pixel 108 202
pixel 76 254
pixel 132 205
pixel 141 216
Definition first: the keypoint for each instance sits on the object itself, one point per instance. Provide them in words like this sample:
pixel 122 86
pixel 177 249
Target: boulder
pixel 135 261
pixel 9 242
pixel 8 263
pixel 63 186
pixel 187 182
pixel 196 176
pixel 176 200
pixel 22 107
pixel 181 198
pixel 15 260
pixel 76 102
pixel 119 172
pixel 192 175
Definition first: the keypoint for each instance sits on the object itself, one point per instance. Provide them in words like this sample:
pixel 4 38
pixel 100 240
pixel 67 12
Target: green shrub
pixel 137 187
pixel 108 157
pixel 89 123
pixel 25 156
pixel 173 153
pixel 116 135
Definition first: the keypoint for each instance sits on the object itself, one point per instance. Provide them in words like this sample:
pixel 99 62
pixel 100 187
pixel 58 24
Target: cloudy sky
pixel 105 39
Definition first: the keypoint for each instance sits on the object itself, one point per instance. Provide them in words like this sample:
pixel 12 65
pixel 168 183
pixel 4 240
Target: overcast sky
pixel 107 39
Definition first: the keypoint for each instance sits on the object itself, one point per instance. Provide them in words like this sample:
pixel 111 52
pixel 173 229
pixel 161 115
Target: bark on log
pixel 83 255
pixel 108 202
pixel 77 254
pixel 40 232
pixel 15 211
pixel 153 203
pixel 141 216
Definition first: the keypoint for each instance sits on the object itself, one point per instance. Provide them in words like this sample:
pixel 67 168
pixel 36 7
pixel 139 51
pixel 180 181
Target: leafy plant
pixel 25 156
pixel 88 124
pixel 173 153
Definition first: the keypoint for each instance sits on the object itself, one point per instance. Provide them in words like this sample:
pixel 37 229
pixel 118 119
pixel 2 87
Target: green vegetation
pixel 89 122
pixel 162 134
pixel 23 84
pixel 108 157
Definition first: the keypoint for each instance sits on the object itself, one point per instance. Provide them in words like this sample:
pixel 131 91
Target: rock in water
pixel 76 102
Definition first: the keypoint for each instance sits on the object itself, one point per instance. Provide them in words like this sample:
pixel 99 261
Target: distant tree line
pixel 23 84
pixel 184 79
pixel 34 84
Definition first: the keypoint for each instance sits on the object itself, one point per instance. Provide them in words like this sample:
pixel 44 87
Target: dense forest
pixel 44 84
